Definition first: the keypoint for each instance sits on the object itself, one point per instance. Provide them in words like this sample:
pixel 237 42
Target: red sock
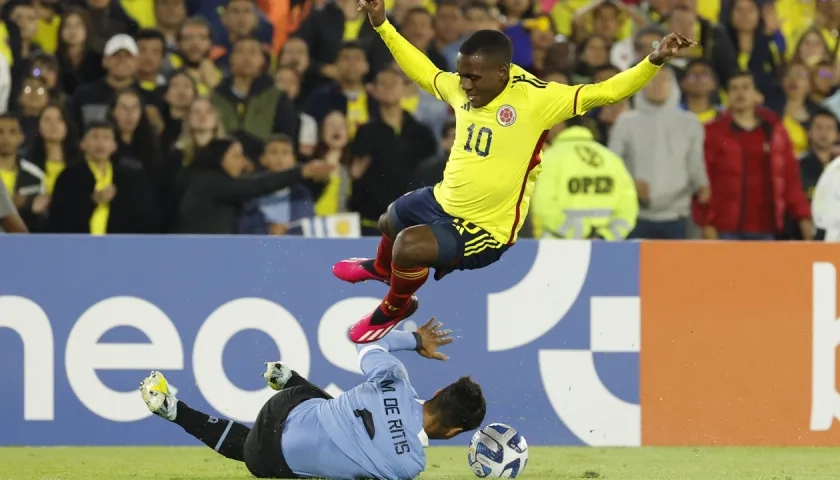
pixel 382 264
pixel 404 282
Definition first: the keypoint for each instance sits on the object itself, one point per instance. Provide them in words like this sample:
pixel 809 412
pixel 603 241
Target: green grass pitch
pixel 549 463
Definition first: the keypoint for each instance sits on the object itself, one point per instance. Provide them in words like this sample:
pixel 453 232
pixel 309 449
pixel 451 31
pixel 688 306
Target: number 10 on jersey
pixel 479 141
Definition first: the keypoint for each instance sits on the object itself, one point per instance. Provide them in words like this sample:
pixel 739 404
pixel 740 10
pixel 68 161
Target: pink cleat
pixel 355 270
pixel 364 332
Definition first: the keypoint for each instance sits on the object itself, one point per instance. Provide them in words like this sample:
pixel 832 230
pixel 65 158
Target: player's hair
pixel 495 46
pixel 460 404
pixel 151 34
pixel 740 74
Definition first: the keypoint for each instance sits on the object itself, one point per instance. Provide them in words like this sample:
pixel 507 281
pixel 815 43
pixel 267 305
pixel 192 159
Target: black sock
pixel 368 265
pixel 222 435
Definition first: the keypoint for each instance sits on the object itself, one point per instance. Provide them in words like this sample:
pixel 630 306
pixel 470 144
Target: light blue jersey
pixel 372 431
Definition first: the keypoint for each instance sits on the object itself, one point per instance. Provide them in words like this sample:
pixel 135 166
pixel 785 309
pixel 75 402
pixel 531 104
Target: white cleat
pixel 277 374
pixel 155 392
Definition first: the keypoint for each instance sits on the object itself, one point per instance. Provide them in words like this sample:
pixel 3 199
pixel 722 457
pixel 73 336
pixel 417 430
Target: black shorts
pixel 263 452
pixel 462 245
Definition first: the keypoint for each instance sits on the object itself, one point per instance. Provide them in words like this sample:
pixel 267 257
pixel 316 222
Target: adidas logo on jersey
pixel 466 106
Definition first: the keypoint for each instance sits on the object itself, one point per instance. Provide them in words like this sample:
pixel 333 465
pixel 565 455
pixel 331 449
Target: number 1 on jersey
pixel 367 421
pixel 477 146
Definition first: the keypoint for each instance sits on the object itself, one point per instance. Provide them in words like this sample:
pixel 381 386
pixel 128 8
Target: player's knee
pixel 385 226
pixel 415 247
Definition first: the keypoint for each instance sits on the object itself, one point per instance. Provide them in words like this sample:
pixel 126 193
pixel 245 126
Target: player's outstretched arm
pixel 565 102
pixel 375 358
pixel 413 62
pixel 632 80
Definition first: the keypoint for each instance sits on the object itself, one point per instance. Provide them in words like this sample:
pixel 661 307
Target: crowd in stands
pixel 247 116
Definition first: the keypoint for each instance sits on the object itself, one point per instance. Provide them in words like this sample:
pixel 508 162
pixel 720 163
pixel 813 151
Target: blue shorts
pixel 462 245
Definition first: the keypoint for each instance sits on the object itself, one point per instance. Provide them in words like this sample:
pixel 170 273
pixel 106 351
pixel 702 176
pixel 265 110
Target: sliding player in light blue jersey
pixel 376 430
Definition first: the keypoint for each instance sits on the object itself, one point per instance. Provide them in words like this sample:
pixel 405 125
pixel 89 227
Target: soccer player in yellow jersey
pixel 472 217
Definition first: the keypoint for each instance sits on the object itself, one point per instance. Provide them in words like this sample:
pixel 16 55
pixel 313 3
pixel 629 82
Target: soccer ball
pixel 497 451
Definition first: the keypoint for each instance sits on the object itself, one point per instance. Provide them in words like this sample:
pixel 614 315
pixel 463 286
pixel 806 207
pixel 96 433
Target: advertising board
pixel 739 344
pixel 551 332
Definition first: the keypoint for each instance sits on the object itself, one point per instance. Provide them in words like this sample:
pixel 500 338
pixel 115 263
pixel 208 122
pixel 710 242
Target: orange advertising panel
pixel 739 344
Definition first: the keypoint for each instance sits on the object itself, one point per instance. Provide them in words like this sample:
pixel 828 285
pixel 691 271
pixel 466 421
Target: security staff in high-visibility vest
pixel 584 190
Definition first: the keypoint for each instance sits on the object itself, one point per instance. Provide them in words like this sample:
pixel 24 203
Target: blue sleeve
pixel 375 358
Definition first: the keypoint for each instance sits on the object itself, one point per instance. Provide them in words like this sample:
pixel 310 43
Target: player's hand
pixel 375 10
pixel 432 337
pixel 669 47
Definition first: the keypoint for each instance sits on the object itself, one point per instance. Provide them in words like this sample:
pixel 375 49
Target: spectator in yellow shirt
pixel 48 22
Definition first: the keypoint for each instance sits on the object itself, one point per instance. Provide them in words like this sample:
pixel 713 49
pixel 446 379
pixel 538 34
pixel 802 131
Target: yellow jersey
pixel 495 159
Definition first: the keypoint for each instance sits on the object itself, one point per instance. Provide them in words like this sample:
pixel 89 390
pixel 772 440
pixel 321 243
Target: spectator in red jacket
pixel 753 173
